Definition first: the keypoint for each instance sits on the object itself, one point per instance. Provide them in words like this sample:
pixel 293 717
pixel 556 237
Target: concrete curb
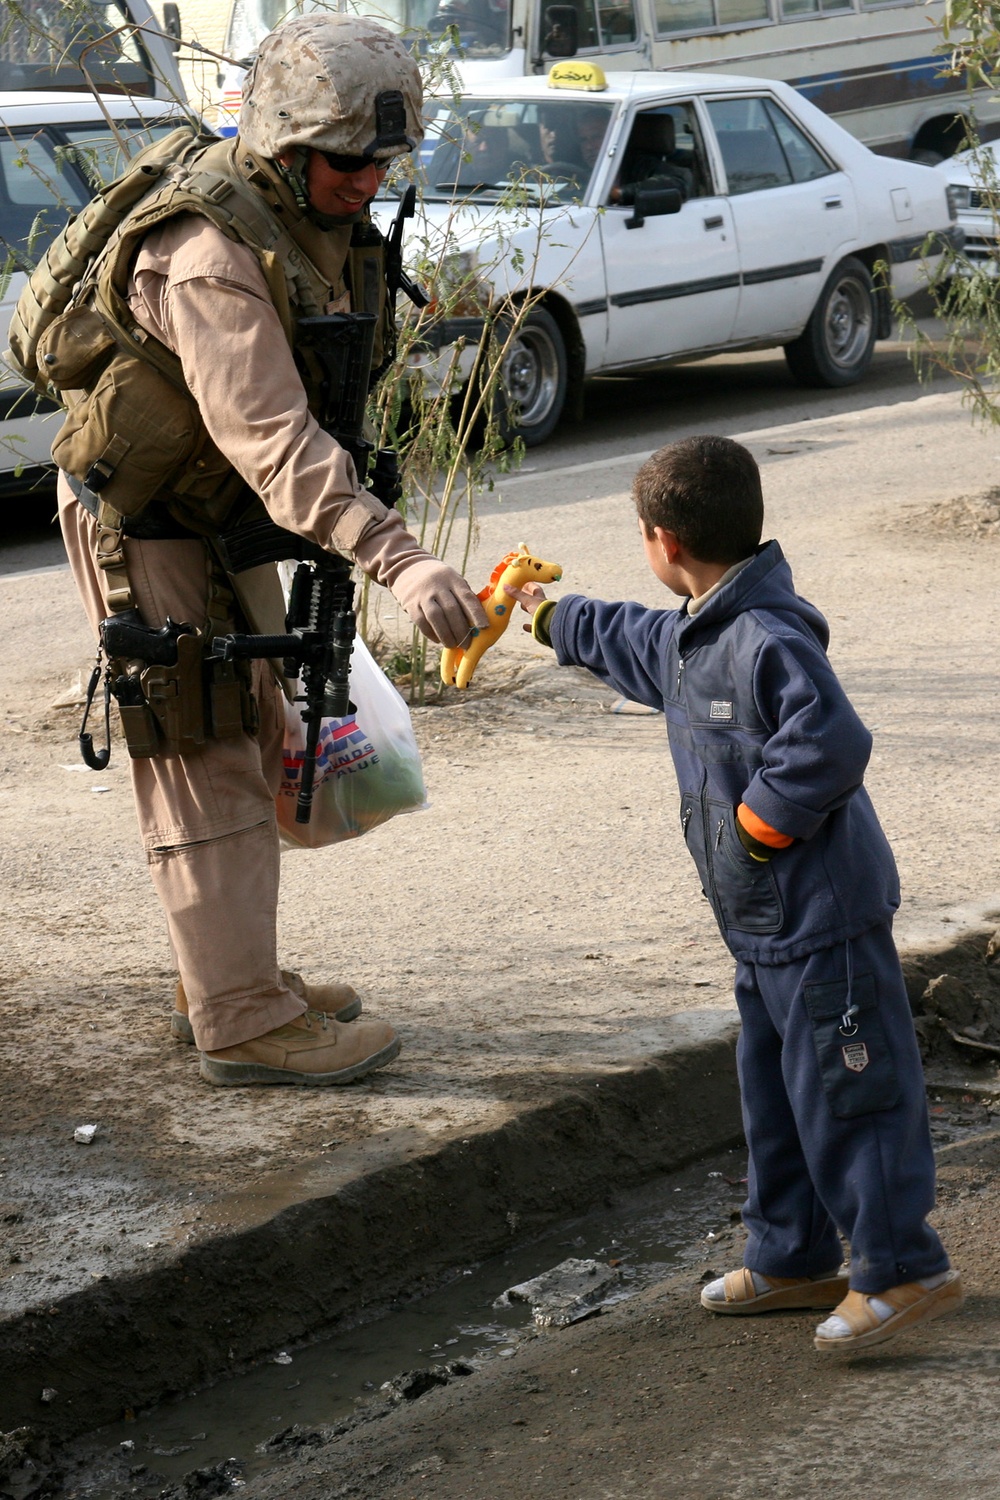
pixel 361 1227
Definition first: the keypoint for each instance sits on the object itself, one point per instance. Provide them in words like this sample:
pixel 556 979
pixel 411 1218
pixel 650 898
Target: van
pixel 111 46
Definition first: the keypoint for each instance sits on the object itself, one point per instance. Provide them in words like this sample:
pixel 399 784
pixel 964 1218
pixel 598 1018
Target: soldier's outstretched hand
pixel 437 599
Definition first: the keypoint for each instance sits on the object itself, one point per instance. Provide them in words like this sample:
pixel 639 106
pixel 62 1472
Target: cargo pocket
pixel 746 888
pixel 855 1064
pixel 74 349
pixel 127 438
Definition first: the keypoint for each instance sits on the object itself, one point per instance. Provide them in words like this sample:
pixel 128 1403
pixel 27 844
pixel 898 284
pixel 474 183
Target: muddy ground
pixel 538 928
pixel 658 1400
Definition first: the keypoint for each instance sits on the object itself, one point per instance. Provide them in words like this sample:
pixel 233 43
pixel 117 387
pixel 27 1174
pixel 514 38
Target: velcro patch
pixel 721 708
pixel 856 1057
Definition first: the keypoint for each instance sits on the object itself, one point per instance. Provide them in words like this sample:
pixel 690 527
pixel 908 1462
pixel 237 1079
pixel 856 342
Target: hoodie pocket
pixel 746 889
pixel 693 829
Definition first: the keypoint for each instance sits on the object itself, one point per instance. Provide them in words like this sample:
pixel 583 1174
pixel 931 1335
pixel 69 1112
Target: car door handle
pixel 832 203
pixel 714 223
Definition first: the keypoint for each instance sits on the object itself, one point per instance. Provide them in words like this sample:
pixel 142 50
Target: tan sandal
pixel 803 1293
pixel 912 1303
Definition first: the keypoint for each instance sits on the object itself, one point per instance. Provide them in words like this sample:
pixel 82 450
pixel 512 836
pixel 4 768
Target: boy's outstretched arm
pixel 622 644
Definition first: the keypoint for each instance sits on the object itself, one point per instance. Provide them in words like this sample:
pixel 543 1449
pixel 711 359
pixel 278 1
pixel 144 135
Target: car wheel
pixel 534 376
pixel 837 344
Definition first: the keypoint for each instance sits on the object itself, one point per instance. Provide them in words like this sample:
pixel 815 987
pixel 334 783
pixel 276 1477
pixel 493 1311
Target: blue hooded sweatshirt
pixel 754 714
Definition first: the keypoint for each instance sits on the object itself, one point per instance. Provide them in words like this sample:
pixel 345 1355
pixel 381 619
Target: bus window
pixel 616 19
pixel 704 15
pixel 791 9
pixel 483 25
pixel 601 24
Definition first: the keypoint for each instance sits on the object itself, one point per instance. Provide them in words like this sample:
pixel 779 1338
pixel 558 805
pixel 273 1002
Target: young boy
pixel 770 758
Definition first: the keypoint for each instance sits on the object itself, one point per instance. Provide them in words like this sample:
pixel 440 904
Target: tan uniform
pixel 207 820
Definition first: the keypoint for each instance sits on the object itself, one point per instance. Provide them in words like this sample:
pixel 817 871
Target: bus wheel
pixel 836 345
pixel 535 379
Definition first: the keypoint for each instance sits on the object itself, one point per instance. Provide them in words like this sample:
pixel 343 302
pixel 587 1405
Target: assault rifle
pixel 320 623
pixel 396 278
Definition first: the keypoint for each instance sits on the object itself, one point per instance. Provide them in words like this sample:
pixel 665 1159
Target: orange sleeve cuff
pixel 761 831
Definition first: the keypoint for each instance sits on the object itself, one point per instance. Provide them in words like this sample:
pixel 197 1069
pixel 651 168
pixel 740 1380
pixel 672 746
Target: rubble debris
pixel 205 1484
pixel 74 695
pixel 955 998
pixel 291 1439
pixel 84 1134
pixel 572 1290
pixel 412 1384
pixel 952 1000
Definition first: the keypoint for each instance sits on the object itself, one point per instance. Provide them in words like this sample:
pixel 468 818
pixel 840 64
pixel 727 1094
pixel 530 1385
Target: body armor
pixel 133 434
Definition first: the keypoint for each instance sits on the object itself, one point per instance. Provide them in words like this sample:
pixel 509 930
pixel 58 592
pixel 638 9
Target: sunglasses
pixel 350 163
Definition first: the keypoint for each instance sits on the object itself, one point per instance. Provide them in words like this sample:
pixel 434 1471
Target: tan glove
pixel 437 599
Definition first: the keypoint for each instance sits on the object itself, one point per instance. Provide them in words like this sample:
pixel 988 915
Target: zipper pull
pixel 685 821
pixel 718 832
pixel 680 673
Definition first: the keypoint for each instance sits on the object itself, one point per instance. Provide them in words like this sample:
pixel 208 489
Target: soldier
pixel 207 277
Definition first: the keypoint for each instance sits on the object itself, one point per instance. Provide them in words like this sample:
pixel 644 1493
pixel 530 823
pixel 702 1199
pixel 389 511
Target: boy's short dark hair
pixel 706 490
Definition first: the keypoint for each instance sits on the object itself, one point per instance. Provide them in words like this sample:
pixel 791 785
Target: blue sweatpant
pixel 836 1117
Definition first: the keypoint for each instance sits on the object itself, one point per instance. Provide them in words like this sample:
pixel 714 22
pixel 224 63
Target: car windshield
pixel 481 27
pixel 484 147
pixel 46 46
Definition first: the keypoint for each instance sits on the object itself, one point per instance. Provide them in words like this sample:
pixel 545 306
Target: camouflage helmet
pixel 334 82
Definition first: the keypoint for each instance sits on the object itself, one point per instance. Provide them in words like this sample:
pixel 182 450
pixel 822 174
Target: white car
pixel 675 216
pixel 55 150
pixel 973 179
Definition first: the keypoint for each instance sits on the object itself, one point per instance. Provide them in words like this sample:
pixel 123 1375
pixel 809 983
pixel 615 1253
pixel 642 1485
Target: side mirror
pixel 652 203
pixel 172 23
pixel 561 36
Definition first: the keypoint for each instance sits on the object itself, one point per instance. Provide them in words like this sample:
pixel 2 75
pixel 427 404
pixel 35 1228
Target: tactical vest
pixel 133 433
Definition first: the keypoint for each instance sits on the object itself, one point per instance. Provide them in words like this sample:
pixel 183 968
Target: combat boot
pixel 312 1049
pixel 340 1001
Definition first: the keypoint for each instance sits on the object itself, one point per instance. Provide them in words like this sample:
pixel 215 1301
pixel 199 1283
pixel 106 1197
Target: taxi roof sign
pixel 571 74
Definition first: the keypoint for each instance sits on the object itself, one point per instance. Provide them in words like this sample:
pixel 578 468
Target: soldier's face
pixel 340 194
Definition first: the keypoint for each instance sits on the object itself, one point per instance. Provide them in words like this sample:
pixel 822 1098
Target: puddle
pixel 651 1232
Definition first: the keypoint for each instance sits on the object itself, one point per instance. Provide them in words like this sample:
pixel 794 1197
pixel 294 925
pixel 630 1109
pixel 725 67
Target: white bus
pixel 870 63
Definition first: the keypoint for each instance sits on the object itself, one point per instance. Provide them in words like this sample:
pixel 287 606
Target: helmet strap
pixel 295 176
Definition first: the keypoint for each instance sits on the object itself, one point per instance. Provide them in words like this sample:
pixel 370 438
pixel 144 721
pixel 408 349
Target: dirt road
pixel 538 925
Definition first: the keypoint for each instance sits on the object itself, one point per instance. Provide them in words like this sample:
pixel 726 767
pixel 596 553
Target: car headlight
pixel 959 196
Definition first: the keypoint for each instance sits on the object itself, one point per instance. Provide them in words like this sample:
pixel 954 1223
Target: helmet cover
pixel 333 82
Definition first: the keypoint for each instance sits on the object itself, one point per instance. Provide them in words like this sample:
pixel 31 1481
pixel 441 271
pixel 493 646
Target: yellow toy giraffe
pixel 518 568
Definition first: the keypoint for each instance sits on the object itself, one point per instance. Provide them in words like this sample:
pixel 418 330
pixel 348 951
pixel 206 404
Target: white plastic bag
pixel 368 767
